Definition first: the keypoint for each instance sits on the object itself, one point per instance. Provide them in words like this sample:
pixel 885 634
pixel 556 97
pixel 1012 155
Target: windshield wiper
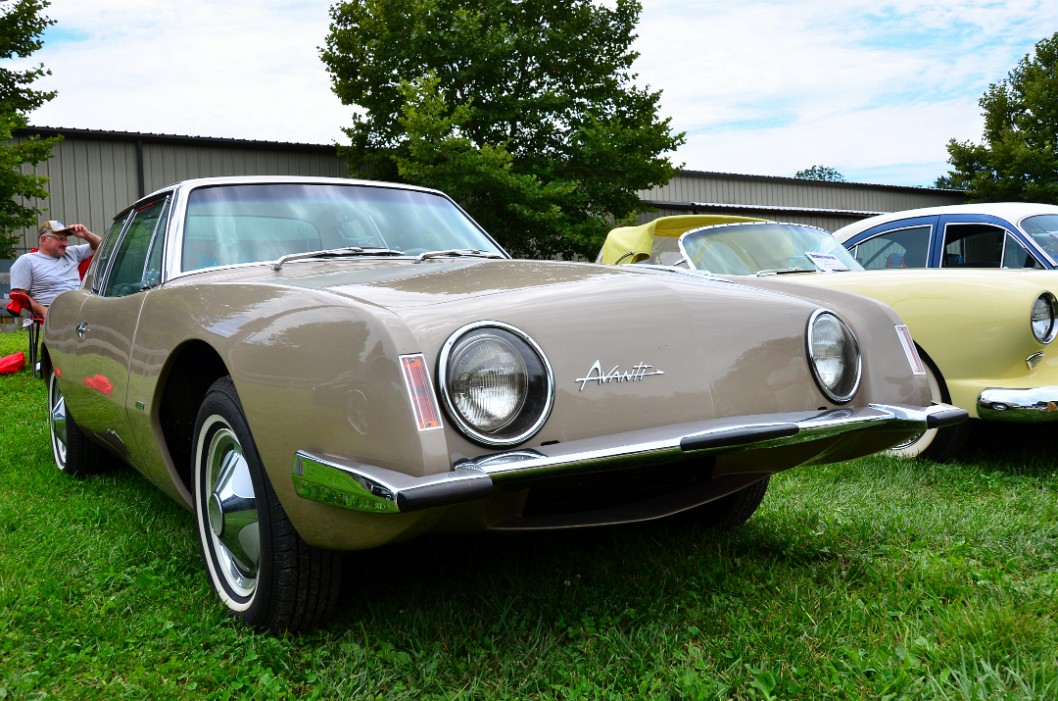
pixel 456 252
pixel 350 251
pixel 784 271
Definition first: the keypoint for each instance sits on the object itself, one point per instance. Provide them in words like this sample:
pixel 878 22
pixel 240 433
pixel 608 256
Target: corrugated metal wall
pixel 829 221
pixel 94 174
pixel 168 163
pixel 89 180
pixel 828 205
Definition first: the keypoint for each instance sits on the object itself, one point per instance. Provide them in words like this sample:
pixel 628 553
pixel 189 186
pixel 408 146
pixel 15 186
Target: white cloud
pixel 773 87
pixel 226 69
pixel 761 86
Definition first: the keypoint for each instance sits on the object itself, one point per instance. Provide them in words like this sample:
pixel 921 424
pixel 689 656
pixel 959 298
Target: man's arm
pixel 21 279
pixel 81 231
pixel 37 308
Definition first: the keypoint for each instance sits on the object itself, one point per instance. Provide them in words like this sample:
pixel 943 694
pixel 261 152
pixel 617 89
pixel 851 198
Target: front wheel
pixel 257 563
pixel 937 444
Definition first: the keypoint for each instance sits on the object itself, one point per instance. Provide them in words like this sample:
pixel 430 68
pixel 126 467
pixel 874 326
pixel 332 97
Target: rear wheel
pixel 73 453
pixel 257 563
pixel 938 444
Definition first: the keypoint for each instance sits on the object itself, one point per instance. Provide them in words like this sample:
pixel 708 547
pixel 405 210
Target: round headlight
pixel 834 356
pixel 496 383
pixel 1044 327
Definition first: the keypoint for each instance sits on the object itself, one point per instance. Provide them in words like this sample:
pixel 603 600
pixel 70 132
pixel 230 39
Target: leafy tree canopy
pixel 944 182
pixel 820 173
pixel 524 111
pixel 21 24
pixel 1018 159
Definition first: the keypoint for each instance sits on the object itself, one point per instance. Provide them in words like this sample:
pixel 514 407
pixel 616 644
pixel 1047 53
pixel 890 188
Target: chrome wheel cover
pixel 57 422
pixel 228 506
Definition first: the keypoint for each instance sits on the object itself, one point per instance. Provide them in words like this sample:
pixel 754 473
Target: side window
pixel 900 248
pixel 130 273
pixel 106 251
pixel 973 246
pixel 1016 256
pixel 152 276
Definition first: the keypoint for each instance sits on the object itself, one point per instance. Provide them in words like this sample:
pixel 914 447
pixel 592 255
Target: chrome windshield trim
pixel 372 489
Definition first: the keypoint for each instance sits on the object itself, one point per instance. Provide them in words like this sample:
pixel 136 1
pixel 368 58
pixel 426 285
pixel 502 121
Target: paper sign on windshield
pixel 827 262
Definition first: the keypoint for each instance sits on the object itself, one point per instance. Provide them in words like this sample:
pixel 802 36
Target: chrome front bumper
pixel 1033 405
pixel 372 489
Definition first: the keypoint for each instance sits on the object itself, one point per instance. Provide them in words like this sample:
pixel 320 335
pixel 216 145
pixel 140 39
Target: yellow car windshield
pixel 764 247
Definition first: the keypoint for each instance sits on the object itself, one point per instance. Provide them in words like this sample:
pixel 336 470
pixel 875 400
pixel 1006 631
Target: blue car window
pixel 973 246
pixel 1017 256
pixel 902 248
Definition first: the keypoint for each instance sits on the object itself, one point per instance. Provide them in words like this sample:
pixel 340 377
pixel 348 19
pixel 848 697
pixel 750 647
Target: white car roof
pixel 296 179
pixel 1011 211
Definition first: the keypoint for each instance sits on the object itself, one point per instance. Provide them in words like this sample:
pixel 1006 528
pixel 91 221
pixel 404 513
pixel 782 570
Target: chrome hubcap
pixel 58 424
pixel 231 509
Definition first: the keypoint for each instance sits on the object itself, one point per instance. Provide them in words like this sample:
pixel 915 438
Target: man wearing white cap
pixel 52 269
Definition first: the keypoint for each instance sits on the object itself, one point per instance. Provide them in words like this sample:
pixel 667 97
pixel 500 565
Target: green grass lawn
pixel 872 579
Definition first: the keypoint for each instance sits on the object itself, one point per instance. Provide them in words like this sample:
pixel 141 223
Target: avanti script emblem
pixel 636 373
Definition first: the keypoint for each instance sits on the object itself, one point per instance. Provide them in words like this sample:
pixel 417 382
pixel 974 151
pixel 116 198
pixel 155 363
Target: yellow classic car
pixel 317 365
pixel 985 336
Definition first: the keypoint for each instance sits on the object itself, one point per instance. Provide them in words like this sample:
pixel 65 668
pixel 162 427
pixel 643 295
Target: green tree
pixel 1018 159
pixel 525 112
pixel 944 182
pixel 820 173
pixel 21 24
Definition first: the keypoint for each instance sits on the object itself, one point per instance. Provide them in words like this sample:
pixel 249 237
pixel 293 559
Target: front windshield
pixel 229 224
pixel 749 249
pixel 1043 228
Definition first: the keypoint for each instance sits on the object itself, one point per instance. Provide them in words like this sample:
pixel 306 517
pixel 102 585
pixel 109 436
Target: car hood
pixel 402 285
pixel 683 345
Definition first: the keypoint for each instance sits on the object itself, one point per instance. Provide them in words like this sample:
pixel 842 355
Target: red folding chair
pixel 19 306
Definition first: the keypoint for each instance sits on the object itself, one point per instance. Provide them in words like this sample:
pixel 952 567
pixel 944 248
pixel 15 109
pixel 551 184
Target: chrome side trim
pixel 372 489
pixel 1033 405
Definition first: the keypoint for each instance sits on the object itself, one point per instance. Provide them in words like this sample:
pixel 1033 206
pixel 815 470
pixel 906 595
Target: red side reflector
pixel 423 400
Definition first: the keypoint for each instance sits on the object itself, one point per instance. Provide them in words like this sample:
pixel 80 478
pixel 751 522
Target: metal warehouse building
pixel 93 174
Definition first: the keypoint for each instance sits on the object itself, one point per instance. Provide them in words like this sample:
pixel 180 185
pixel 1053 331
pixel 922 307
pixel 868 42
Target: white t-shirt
pixel 45 277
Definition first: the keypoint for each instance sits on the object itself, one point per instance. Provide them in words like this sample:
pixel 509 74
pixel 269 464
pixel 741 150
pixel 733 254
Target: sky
pixel 872 88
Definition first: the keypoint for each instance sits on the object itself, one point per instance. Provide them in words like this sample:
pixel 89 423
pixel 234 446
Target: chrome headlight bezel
pixel 825 329
pixel 1045 328
pixel 521 405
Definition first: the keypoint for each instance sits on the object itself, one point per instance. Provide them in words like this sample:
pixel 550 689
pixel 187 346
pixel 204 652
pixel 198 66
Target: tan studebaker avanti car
pixel 320 365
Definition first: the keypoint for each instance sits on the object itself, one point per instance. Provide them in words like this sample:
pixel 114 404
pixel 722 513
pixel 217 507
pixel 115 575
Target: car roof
pixel 266 179
pixel 639 240
pixel 1011 211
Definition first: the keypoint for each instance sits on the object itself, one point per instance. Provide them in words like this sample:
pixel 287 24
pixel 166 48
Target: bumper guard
pixel 1033 405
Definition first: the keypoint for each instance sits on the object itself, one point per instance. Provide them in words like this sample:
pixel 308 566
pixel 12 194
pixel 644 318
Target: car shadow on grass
pixel 478 581
pixel 1012 447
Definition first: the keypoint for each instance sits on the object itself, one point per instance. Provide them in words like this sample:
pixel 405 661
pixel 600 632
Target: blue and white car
pixel 994 235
